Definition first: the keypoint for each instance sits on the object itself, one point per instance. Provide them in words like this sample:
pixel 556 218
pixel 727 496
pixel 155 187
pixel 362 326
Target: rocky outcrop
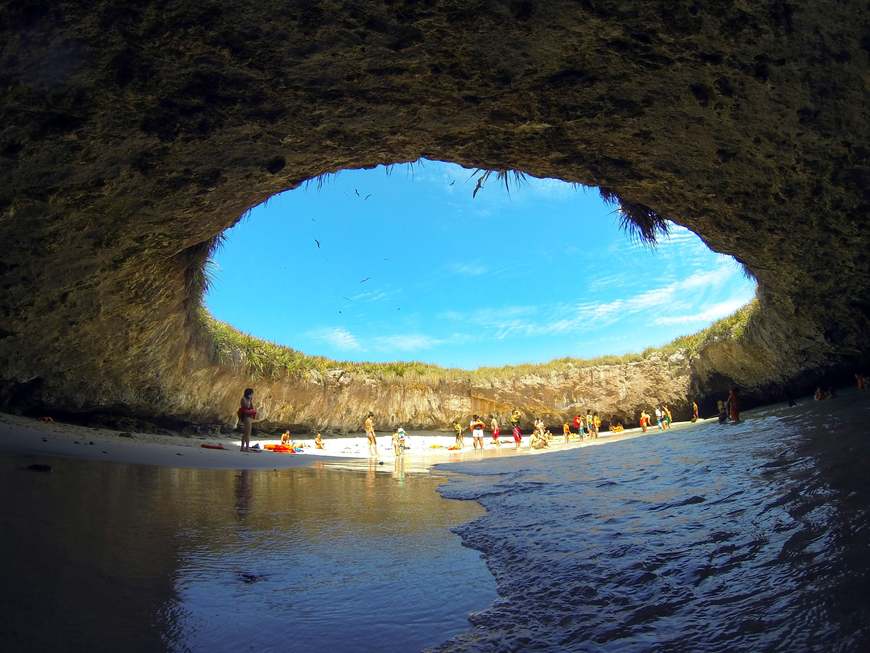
pixel 133 134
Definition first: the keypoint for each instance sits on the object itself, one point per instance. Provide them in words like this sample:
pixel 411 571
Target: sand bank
pixel 21 435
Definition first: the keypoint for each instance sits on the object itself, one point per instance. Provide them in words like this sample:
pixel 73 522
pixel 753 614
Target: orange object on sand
pixel 279 448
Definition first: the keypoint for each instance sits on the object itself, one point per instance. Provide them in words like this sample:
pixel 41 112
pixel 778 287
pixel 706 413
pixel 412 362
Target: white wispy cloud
pixel 468 269
pixel 373 295
pixel 577 317
pixel 406 342
pixel 338 337
pixel 709 314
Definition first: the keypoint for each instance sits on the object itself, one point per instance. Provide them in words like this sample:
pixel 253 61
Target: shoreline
pixel 31 437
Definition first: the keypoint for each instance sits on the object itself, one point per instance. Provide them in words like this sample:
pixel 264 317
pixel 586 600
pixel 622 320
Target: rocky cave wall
pixel 132 134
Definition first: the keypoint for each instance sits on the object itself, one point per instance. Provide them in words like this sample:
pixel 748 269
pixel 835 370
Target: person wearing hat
pixel 399 442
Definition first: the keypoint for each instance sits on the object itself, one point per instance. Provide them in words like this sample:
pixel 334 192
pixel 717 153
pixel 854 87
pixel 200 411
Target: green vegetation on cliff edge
pixel 264 359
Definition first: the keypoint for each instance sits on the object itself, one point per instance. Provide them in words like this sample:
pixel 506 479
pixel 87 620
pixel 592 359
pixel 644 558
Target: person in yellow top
pixel 515 417
pixel 318 441
pixel 597 421
pixel 566 431
pixel 457 427
pixel 370 434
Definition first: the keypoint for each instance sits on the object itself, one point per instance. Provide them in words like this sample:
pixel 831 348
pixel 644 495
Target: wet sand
pixel 25 436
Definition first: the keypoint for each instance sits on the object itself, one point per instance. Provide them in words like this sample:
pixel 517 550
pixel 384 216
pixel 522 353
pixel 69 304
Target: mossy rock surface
pixel 133 134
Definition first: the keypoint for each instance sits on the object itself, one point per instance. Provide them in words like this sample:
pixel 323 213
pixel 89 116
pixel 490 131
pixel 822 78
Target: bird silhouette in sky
pixel 452 182
pixel 317 242
pixel 364 280
pixel 356 191
pixel 366 197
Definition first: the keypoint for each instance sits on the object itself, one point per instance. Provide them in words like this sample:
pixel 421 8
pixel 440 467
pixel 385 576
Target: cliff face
pixel 132 135
pixel 340 401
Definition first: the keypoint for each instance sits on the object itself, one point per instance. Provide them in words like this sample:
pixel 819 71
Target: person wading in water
pixel 733 406
pixel 246 414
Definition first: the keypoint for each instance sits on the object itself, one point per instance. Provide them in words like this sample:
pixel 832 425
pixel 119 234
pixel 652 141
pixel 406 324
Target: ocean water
pixel 108 557
pixel 746 537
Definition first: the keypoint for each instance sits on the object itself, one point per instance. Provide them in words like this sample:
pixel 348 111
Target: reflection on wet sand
pixel 128 557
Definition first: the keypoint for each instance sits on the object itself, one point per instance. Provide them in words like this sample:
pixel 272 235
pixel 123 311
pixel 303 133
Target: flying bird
pixel 317 242
pixel 478 186
pixel 356 191
pixel 452 182
pixel 366 197
pixel 364 280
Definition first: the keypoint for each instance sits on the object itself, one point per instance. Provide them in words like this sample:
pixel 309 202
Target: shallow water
pixel 720 538
pixel 108 557
pixel 735 537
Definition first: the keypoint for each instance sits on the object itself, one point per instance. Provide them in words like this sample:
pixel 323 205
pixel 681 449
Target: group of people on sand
pixel 663 418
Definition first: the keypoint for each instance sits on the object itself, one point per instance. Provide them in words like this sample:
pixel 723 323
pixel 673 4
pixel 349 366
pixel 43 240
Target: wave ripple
pixel 738 537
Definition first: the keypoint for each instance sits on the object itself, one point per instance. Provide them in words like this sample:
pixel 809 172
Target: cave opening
pixel 451 266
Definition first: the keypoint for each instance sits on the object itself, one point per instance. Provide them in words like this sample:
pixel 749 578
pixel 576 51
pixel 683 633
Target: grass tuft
pixel 264 359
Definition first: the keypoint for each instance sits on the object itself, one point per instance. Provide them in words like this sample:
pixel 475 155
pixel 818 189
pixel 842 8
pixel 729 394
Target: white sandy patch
pixel 21 435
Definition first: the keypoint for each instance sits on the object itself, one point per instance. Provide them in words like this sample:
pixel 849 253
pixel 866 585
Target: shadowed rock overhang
pixel 133 134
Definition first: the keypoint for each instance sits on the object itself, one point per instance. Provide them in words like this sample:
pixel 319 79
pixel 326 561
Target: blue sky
pixel 411 267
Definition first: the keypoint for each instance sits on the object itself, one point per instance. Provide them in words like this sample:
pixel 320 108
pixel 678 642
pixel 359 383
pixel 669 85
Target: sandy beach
pixel 26 436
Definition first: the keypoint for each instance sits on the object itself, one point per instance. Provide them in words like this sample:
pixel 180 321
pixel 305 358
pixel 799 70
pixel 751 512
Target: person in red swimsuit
pixel 246 414
pixel 733 404
pixel 518 435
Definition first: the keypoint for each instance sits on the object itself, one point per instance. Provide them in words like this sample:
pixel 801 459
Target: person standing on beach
pixel 597 421
pixel 578 423
pixel 666 414
pixel 695 412
pixel 589 426
pixel 457 427
pixel 493 424
pixel 518 435
pixel 477 427
pixel 659 418
pixel 369 426
pixel 515 417
pixel 246 414
pixel 399 442
pixel 566 431
pixel 733 404
pixel 644 420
